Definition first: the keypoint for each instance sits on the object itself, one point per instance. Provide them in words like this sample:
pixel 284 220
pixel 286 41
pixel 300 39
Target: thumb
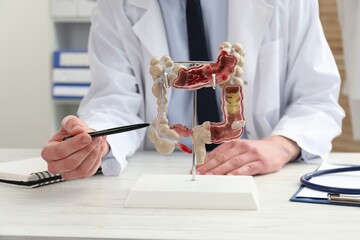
pixel 73 125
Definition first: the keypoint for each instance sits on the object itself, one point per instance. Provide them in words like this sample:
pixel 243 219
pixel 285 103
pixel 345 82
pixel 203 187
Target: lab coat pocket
pixel 267 86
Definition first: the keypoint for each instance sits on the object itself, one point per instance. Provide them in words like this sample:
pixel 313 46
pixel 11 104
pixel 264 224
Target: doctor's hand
pixel 76 157
pixel 250 157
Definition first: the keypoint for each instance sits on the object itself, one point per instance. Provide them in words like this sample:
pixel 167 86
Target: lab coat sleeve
pixel 113 99
pixel 312 116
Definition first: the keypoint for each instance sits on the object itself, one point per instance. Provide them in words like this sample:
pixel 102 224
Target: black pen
pixel 114 130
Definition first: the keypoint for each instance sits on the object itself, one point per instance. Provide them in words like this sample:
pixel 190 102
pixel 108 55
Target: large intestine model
pixel 226 72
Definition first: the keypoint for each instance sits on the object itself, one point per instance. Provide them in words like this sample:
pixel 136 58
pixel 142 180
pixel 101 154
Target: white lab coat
pixel 292 79
pixel 349 16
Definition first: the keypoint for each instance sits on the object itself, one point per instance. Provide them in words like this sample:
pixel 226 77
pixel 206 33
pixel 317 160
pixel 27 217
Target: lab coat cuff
pixel 308 157
pixel 115 161
pixel 109 165
pixel 304 156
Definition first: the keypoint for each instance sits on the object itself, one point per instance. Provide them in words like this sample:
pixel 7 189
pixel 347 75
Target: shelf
pixel 67 101
pixel 71 20
pixel 71 35
pixel 71 10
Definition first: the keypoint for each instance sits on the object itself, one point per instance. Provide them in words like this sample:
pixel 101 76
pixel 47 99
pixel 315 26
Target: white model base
pixel 206 192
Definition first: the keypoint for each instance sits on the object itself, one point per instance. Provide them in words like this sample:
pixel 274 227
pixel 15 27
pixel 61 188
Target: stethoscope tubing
pixel 337 190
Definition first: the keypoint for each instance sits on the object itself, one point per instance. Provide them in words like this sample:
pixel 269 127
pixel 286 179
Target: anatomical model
pixel 226 72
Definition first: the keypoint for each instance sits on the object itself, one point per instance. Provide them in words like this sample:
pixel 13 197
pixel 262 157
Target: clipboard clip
pixel 343 198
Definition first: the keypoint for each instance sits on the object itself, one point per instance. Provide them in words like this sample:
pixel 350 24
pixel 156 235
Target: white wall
pixel 26 109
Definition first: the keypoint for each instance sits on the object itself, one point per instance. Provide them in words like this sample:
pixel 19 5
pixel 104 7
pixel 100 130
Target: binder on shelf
pixel 85 7
pixel 63 8
pixel 70 59
pixel 70 91
pixel 72 9
pixel 71 75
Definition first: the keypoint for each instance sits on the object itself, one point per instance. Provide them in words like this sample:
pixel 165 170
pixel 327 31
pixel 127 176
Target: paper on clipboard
pixel 337 180
pixel 343 180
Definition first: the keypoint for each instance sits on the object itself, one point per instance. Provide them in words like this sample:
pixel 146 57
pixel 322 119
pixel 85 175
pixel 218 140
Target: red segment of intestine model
pixel 201 76
pixel 182 130
pixel 223 131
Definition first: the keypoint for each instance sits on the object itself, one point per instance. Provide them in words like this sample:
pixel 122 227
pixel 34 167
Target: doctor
pixel 290 93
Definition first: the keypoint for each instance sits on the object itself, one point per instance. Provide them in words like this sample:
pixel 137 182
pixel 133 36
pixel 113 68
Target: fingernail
pixel 209 173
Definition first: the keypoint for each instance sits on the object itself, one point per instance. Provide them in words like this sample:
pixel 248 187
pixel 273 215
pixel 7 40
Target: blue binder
pixel 69 91
pixel 76 58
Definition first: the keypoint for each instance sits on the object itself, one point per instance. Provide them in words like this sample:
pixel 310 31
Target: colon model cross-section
pixel 226 72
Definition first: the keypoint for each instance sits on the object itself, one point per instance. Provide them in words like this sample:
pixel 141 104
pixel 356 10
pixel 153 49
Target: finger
pixel 59 150
pixel 221 156
pixel 87 166
pixel 214 154
pixel 103 151
pixel 105 147
pixel 234 147
pixel 232 164
pixel 95 166
pixel 249 169
pixel 70 125
pixel 73 125
pixel 219 159
pixel 221 148
pixel 73 160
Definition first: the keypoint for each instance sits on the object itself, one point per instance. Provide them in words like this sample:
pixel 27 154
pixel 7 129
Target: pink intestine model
pixel 225 72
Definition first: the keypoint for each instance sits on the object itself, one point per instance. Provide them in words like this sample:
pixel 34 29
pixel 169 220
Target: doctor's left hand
pixel 250 157
pixel 76 157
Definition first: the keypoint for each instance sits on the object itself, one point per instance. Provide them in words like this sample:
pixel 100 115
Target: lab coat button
pixel 245 83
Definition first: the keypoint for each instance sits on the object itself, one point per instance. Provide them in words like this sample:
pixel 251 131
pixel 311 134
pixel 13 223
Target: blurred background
pixel 36 92
pixel 329 16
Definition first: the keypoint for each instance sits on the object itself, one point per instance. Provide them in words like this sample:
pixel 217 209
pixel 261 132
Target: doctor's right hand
pixel 76 157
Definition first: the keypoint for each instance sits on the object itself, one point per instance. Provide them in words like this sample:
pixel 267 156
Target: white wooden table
pixel 93 208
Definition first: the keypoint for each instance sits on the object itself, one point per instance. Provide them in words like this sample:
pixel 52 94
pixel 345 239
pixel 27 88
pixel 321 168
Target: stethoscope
pixel 305 180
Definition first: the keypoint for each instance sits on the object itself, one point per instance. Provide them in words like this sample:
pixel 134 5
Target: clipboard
pixel 295 198
pixel 306 195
